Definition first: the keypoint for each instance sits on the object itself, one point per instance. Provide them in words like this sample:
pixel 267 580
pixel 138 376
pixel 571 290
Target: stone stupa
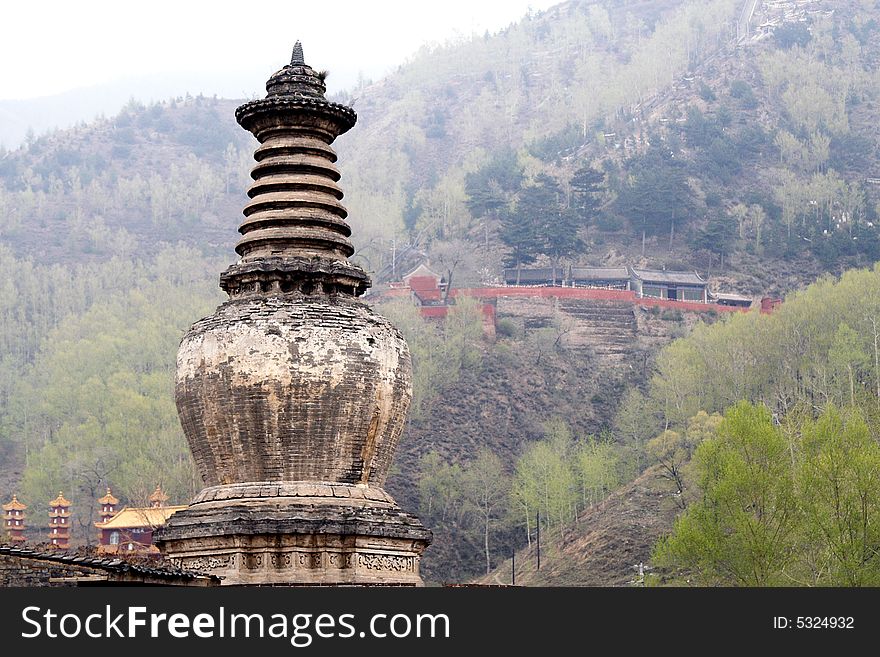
pixel 293 394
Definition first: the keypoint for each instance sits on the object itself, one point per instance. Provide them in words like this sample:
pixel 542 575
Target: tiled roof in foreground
pixel 109 565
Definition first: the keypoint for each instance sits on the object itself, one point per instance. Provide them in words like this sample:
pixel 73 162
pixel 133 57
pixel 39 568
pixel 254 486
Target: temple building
pixel 53 565
pixel 157 498
pixel 429 292
pixel 608 278
pixel 59 522
pixel 294 393
pixel 427 287
pixel 672 285
pixel 131 530
pixel 731 299
pixel 108 506
pixel 14 521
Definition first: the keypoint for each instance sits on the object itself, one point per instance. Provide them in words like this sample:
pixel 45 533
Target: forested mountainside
pixel 761 433
pixel 129 185
pixel 721 152
pixel 662 133
pixel 757 149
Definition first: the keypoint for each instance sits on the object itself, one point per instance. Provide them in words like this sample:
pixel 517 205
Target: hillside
pixel 563 360
pixel 717 135
pixel 746 170
pixel 605 545
pixel 779 490
pixel 130 185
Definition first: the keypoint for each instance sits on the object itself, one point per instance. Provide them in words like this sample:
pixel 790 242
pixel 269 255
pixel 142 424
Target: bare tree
pixel 485 493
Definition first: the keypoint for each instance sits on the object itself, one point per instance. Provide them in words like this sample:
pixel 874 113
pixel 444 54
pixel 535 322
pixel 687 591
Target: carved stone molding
pixel 386 562
pixel 206 562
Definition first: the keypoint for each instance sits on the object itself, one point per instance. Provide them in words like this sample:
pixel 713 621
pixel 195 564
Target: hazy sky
pixel 50 46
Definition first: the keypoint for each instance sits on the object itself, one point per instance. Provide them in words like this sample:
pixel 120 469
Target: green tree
pixel 757 217
pixel 791 34
pixel 586 190
pixel 670 451
pixel 719 235
pixel 554 227
pixel 595 465
pixel 540 224
pixel 490 189
pixel 700 427
pixel 743 531
pixel 522 237
pixel 463 332
pixel 439 486
pixel 673 450
pixel 656 197
pixel 545 481
pixel 635 423
pixel 839 484
pixel 846 358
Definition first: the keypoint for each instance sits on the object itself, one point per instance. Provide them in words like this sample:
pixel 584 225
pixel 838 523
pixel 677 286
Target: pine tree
pixel 491 188
pixel 657 197
pixel 541 224
pixel 586 186
pixel 521 236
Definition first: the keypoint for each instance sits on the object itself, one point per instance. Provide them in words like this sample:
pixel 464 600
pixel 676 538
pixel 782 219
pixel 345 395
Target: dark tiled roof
pixel 672 277
pixel 599 273
pixel 729 296
pixel 110 565
pixel 526 275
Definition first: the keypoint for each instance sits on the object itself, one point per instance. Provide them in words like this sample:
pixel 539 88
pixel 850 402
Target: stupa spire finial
pixel 296 59
pixel 294 235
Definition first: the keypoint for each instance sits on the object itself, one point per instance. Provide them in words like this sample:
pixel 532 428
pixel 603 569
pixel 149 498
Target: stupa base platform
pixel 297 534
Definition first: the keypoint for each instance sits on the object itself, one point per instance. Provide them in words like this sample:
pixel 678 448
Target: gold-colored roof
pixel 14 505
pixel 59 501
pixel 158 496
pixel 108 498
pixel 140 517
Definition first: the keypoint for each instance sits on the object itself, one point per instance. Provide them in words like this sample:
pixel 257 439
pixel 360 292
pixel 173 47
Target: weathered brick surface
pixel 286 388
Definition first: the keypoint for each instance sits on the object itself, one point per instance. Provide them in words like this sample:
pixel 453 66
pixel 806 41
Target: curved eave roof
pixel 669 277
pixel 14 505
pixel 132 517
